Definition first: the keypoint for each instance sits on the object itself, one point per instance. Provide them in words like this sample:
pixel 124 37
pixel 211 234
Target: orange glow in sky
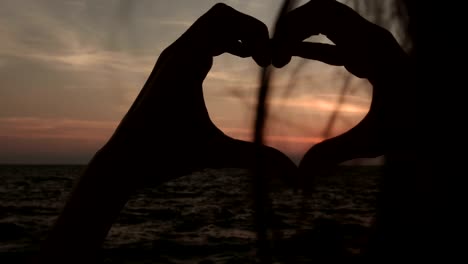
pixel 70 70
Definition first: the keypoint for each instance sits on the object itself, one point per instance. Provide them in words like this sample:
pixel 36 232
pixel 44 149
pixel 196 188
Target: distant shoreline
pixel 39 164
pixel 81 165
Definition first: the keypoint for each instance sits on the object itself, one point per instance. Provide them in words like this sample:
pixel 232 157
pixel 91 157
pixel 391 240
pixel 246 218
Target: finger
pixel 281 53
pixel 326 53
pixel 335 20
pixel 362 141
pixel 236 27
pixel 237 48
pixel 254 36
pixel 291 28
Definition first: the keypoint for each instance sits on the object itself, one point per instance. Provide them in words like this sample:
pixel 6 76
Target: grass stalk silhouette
pixel 261 197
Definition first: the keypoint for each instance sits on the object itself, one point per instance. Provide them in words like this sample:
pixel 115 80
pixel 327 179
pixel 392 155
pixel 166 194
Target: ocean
pixel 205 217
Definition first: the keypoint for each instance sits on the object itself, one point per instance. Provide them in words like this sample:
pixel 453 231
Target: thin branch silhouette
pixel 261 199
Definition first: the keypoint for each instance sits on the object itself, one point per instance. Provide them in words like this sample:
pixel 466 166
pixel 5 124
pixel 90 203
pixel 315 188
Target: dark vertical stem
pixel 260 189
pixel 261 198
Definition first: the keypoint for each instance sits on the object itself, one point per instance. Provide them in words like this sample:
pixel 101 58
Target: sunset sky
pixel 70 69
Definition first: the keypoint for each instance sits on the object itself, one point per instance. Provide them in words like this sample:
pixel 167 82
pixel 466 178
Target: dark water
pixel 206 217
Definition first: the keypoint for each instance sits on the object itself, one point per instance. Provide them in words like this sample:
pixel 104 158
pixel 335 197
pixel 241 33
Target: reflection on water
pixel 206 216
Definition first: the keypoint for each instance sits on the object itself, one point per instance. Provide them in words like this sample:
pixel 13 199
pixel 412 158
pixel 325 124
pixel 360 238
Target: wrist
pixel 392 63
pixel 194 42
pixel 394 69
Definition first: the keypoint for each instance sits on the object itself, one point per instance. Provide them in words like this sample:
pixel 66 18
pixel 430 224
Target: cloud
pixel 33 88
pixel 48 140
pixel 317 104
pixel 46 128
pixel 247 134
pixel 180 23
pixel 70 69
pixel 98 61
pixel 226 76
pixel 311 103
pixel 74 33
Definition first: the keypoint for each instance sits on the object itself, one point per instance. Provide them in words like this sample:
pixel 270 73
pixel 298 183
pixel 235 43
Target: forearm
pixel 160 137
pixel 121 166
pixel 94 203
pixel 405 190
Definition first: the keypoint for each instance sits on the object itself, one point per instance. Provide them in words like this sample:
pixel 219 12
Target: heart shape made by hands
pixel 173 94
pixel 365 49
pixel 169 123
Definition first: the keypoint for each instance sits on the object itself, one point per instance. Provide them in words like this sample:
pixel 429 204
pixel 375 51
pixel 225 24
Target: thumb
pixel 326 53
pixel 232 153
pixel 321 158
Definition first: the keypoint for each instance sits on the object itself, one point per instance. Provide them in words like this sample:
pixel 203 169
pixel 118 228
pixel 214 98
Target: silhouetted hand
pixel 169 118
pixel 364 49
pixel 167 133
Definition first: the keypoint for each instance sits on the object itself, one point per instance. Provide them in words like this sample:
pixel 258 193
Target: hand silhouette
pixel 170 115
pixel 167 133
pixel 365 50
